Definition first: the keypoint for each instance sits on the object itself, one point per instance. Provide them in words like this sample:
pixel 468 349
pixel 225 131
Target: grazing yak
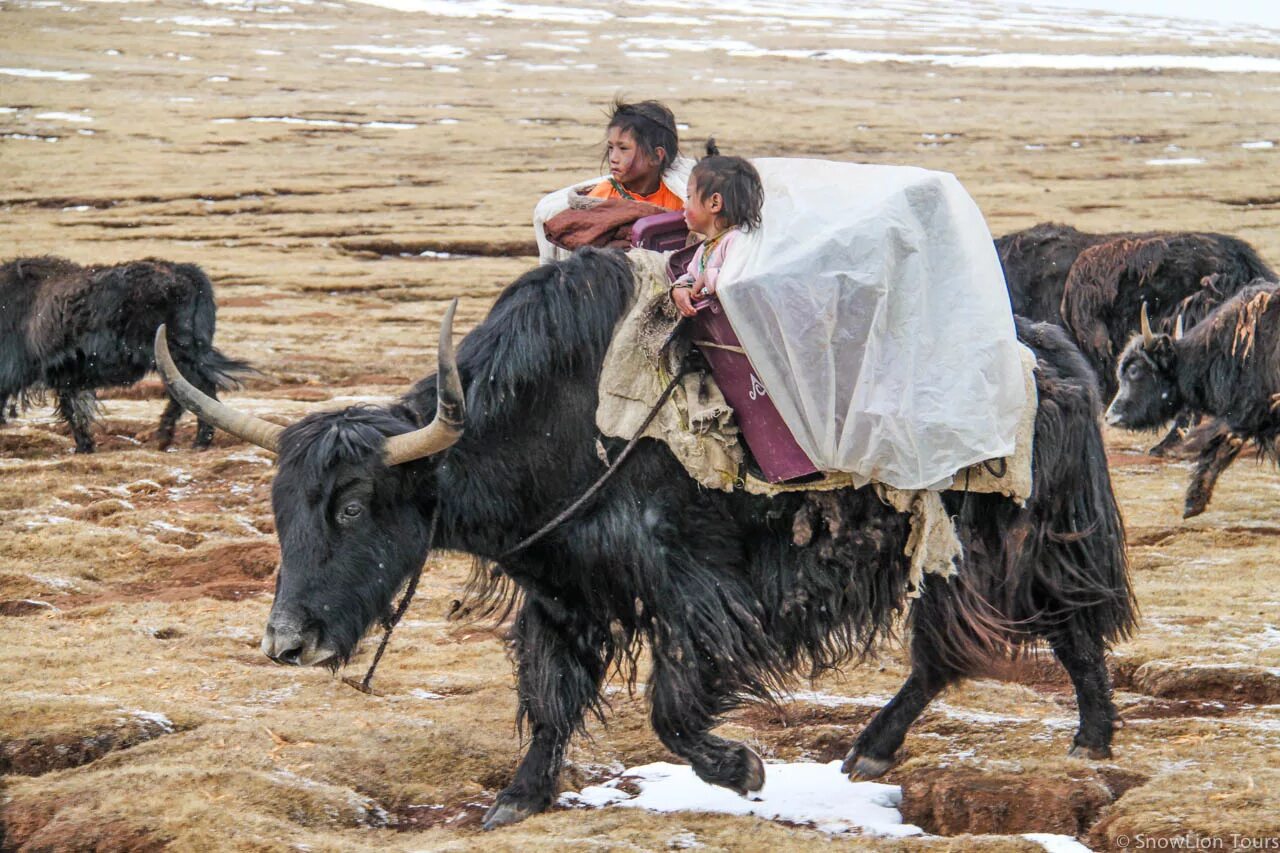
pixel 1228 366
pixel 1094 285
pixel 71 329
pixel 732 592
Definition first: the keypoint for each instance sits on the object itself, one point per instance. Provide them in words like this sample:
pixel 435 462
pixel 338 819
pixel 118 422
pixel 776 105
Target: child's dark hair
pixel 738 183
pixel 652 125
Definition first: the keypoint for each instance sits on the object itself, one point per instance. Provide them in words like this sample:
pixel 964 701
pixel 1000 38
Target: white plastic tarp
pixel 873 308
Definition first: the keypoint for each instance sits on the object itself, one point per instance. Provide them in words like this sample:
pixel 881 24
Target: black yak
pixel 71 329
pixel 1094 285
pixel 1228 366
pixel 733 593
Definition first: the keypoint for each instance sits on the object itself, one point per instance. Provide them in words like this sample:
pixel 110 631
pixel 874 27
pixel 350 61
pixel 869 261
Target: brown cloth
pixel 606 225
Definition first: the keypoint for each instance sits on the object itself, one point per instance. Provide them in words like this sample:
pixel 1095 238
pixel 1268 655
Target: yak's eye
pixel 1134 371
pixel 350 512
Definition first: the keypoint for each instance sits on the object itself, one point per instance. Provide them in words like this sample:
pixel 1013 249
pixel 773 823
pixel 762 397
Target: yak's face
pixel 351 531
pixel 1148 394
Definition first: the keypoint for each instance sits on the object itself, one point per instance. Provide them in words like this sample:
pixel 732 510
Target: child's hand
pixel 683 298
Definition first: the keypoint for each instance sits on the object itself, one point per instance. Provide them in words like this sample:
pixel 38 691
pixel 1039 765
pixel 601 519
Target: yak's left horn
pixel 445 430
pixel 1145 321
pixel 252 429
pixel 1177 329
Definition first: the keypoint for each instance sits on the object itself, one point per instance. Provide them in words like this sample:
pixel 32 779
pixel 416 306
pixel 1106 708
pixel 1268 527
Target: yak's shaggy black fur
pixel 72 329
pixel 1228 366
pixel 1094 285
pixel 732 593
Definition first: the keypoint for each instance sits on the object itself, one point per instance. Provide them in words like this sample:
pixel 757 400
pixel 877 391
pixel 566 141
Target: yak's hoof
pixel 87 449
pixel 753 777
pixel 1193 509
pixel 863 768
pixel 1091 753
pixel 505 813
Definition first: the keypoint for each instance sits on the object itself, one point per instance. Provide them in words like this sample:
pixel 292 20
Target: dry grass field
pixel 307 156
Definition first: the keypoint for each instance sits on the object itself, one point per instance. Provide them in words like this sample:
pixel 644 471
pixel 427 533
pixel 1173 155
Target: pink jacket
pixel 706 276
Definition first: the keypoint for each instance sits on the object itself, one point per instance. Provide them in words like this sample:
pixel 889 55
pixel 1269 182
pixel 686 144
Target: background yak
pixel 1094 285
pixel 1228 366
pixel 72 329
pixel 732 593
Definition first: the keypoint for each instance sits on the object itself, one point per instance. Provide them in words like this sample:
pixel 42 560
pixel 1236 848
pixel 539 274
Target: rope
pixel 389 625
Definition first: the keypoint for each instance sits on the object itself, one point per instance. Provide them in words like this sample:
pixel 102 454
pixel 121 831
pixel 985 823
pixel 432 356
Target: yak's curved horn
pixel 446 428
pixel 252 429
pixel 1177 329
pixel 1145 321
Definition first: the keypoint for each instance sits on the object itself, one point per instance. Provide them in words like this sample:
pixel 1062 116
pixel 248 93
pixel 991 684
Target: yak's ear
pixel 1162 352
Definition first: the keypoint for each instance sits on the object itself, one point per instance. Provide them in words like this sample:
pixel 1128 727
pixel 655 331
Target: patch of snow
pixel 818 795
pixel 1176 161
pixel 153 717
pixel 1056 843
pixel 79 117
pixel 497 9
pixel 418 693
pixel 1258 144
pixel 69 76
pixel 30 137
pixel 435 51
pixel 166 526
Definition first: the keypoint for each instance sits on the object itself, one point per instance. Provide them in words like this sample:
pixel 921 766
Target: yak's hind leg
pixel 168 421
pixel 204 429
pixel 76 408
pixel 947 628
pixel 1083 656
pixel 561 666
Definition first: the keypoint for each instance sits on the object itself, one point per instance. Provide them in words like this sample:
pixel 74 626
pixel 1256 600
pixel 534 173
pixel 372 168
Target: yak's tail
pixel 225 372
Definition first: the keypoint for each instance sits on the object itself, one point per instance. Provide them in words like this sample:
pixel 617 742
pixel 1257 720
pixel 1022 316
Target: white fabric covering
pixel 676 178
pixel 873 308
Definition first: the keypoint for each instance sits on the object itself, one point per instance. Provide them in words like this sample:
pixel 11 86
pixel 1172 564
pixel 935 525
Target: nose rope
pixel 389 624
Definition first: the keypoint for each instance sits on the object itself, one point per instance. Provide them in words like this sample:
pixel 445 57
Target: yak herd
pixel 1165 326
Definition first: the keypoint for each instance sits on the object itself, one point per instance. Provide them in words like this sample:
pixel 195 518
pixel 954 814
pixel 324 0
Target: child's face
pixel 702 215
pixel 628 164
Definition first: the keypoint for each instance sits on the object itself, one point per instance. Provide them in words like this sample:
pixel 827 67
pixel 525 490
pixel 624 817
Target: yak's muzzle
pixel 285 641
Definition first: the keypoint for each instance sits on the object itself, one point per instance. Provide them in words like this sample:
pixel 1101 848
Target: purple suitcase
pixel 768 436
pixel 763 429
pixel 661 232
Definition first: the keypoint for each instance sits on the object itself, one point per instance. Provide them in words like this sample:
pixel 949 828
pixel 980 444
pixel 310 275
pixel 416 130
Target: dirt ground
pixel 137 712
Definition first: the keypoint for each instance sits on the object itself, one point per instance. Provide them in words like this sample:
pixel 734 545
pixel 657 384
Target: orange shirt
pixel 663 197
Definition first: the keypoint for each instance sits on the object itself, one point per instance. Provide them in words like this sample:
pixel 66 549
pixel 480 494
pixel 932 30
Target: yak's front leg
pixel 1217 455
pixel 560 668
pixel 687 697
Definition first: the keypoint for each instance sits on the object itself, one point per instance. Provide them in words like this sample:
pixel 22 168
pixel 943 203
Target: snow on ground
pixel 1056 843
pixel 804 793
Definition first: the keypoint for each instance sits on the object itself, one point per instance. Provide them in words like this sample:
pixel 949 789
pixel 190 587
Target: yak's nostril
pixel 291 656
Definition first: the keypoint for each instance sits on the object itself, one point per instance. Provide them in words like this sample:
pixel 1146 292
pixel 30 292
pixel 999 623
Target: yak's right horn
pixel 1145 321
pixel 1177 329
pixel 252 429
